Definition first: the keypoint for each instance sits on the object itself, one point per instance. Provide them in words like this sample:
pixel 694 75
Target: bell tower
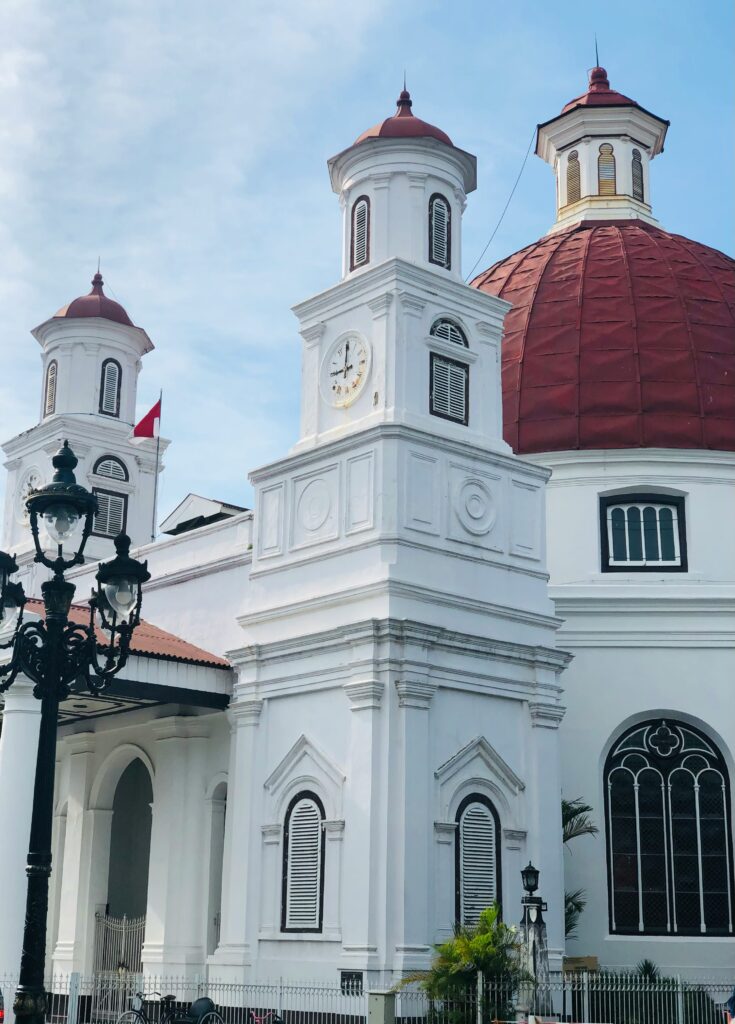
pixel 90 356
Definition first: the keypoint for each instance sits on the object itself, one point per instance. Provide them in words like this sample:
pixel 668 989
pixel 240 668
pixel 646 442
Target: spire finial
pixel 597 56
pixel 404 80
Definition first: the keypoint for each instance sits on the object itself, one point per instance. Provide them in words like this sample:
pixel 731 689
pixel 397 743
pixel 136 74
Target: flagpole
pixel 158 458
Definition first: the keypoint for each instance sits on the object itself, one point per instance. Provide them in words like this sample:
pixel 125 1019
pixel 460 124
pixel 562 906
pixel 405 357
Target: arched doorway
pixel 218 803
pixel 130 843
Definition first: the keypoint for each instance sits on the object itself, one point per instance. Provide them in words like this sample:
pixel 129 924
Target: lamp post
pixel 535 993
pixel 56 654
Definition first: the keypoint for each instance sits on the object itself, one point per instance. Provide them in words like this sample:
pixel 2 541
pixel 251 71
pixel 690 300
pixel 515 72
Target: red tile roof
pixel 621 335
pixel 148 641
pixel 403 125
pixel 96 304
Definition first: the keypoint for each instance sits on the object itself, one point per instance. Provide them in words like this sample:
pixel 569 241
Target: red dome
pixel 621 335
pixel 599 94
pixel 96 304
pixel 403 125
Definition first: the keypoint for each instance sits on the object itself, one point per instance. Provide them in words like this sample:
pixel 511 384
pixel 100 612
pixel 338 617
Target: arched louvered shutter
pixel 111 467
pixel 573 181
pixel 478 863
pixel 439 232
pixel 303 866
pixel 360 243
pixel 448 331
pixel 110 388
pixel 49 401
pixel 606 170
pixel 637 172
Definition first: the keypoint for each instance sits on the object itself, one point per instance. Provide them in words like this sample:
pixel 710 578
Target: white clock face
pixel 31 481
pixel 345 370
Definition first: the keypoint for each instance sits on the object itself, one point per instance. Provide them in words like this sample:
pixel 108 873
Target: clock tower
pixel 91 355
pixel 398 681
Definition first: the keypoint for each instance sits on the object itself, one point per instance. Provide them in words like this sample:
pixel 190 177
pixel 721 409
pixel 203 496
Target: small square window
pixel 350 983
pixel 642 533
pixel 449 389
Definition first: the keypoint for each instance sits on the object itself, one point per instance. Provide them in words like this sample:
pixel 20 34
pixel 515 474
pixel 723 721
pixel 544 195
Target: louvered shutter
pixel 477 862
pixel 110 518
pixel 360 233
pixel 606 171
pixel 111 468
pixel 449 331
pixel 304 867
pixel 50 399
pixel 637 170
pixel 449 389
pixel 439 232
pixel 110 388
pixel 573 180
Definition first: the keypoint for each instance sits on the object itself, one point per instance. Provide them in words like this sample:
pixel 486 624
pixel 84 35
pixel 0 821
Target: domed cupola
pixel 621 334
pixel 600 147
pixel 96 303
pixel 403 186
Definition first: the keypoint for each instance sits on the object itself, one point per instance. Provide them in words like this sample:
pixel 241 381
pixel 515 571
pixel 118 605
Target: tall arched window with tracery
pixel 669 845
pixel 303 865
pixel 477 858
pixel 573 179
pixel 606 171
pixel 637 175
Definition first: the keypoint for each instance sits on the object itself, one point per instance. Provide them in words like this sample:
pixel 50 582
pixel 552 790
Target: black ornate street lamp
pixel 56 654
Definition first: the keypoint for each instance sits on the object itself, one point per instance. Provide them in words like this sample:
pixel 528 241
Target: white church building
pixel 495 568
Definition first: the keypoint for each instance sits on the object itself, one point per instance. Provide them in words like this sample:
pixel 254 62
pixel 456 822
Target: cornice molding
pixel 546 716
pixel 243 713
pixel 415 693
pixel 364 694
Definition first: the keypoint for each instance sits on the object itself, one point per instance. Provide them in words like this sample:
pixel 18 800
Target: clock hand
pixel 347 356
pixel 336 373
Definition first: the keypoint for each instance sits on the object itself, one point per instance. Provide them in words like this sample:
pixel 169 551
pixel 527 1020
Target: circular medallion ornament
pixel 314 505
pixel 30 481
pixel 475 507
pixel 345 369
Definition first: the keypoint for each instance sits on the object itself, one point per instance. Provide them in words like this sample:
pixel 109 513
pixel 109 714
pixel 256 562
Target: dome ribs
pixel 621 336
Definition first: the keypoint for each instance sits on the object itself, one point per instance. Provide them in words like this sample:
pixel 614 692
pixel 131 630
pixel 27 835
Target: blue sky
pixel 185 143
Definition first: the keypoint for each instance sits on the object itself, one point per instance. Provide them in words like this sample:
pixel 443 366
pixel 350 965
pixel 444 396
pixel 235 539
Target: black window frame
pixel 112 494
pixel 466 367
pixel 477 798
pixel 447 263
pixel 676 933
pixel 112 458
pixel 304 794
pixel 353 213
pixel 643 497
pixel 102 411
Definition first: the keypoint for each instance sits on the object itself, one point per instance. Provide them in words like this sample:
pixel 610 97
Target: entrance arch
pixel 130 843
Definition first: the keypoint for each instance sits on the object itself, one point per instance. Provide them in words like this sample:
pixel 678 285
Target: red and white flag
pixel 149 426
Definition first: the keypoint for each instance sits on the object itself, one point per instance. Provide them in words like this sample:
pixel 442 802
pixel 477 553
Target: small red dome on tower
pixel 621 335
pixel 96 303
pixel 599 94
pixel 404 125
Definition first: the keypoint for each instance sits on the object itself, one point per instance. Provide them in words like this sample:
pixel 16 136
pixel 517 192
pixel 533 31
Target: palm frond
pixel 576 820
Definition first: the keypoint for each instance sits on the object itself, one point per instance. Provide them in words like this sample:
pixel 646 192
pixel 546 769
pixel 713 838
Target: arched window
pixel 360 241
pixel 49 397
pixel 606 170
pixel 667 809
pixel 303 865
pixel 477 858
pixel 110 381
pixel 574 192
pixel 637 171
pixel 440 232
pixel 112 467
pixel 643 533
pixel 449 331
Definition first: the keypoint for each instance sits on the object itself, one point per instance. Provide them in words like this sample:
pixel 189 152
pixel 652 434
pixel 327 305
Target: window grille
pixel 449 388
pixel 477 858
pixel 49 402
pixel 110 388
pixel 606 171
pixel 574 192
pixel 637 170
pixel 448 331
pixel 440 220
pixel 111 467
pixel 669 848
pixel 111 513
pixel 643 532
pixel 303 867
pixel 360 247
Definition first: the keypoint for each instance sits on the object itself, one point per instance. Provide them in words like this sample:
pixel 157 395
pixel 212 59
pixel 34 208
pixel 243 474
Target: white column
pixel 76 917
pixel 18 746
pixel 174 934
pixel 233 953
pixel 545 846
pixel 413 938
